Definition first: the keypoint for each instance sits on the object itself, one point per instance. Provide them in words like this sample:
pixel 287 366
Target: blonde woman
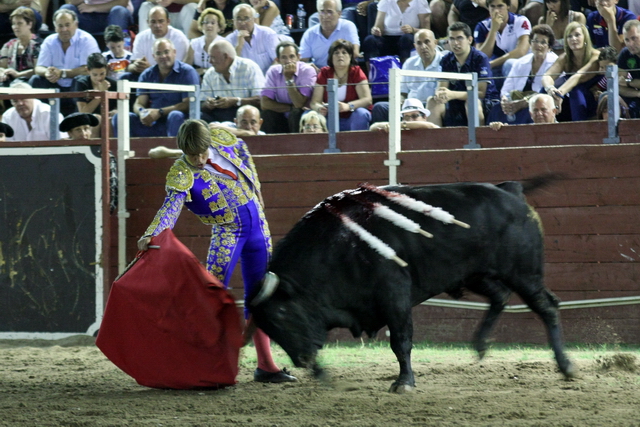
pixel 577 68
pixel 312 122
pixel 211 23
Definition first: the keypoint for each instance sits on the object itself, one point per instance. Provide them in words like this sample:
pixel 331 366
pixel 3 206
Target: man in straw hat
pixel 217 180
pixel 414 116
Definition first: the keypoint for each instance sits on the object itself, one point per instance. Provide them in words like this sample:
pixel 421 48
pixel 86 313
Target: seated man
pixel 253 41
pixel 448 106
pixel 230 83
pixel 427 59
pixel 180 11
pixel 316 41
pixel 29 118
pixel 94 15
pixel 628 61
pixel 542 109
pixel 160 113
pixel 414 116
pixel 605 24
pixel 159 28
pixel 63 56
pixel 287 90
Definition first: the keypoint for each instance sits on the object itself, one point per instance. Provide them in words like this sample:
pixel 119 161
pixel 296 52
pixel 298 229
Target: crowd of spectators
pixel 243 55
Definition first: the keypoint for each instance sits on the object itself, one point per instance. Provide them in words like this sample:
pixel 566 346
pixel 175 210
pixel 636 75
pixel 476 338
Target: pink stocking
pixel 263 349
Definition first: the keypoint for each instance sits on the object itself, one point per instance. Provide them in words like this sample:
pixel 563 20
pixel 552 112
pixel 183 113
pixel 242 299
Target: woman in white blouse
pixel 396 23
pixel 211 22
pixel 525 78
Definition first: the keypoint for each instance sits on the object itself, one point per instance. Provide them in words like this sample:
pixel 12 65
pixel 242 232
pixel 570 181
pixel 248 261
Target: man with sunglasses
pixel 414 116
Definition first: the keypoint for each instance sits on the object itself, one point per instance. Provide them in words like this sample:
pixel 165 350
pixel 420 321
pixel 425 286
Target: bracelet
pixel 404 126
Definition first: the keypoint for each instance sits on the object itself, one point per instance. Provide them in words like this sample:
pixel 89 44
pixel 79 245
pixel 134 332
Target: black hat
pixel 74 120
pixel 6 129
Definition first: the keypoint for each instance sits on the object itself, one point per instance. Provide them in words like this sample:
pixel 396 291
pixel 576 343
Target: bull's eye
pixel 282 312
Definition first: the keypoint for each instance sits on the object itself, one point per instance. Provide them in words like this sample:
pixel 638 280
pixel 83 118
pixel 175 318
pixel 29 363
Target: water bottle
pixel 302 17
pixel 510 117
pixel 127 41
pixel 144 113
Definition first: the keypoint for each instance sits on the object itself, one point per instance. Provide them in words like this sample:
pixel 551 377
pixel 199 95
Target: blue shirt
pixel 598 30
pixel 477 62
pixel 316 46
pixel 181 74
pixel 82 44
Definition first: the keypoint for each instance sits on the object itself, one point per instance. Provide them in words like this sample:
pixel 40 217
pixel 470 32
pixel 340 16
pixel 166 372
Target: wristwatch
pixel 161 111
pixel 239 103
pixel 290 82
pixel 352 107
pixel 64 74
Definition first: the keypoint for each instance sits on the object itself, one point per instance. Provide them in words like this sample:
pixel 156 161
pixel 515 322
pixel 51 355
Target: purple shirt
pixel 276 88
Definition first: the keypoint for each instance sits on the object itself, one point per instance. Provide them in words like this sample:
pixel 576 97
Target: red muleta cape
pixel 171 324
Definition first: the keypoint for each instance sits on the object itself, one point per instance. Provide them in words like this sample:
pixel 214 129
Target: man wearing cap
pixel 29 118
pixel 78 125
pixel 6 131
pixel 414 116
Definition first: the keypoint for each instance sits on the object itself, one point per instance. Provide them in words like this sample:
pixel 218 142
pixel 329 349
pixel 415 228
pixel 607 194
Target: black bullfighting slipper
pixel 282 376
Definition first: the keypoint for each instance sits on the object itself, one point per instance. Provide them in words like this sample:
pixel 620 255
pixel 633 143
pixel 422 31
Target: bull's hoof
pixel 481 354
pixel 569 371
pixel 401 388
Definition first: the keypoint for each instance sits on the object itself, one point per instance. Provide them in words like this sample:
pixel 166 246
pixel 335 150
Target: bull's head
pixel 285 312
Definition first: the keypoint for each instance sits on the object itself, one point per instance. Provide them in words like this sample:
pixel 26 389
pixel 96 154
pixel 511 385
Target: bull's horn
pixel 271 281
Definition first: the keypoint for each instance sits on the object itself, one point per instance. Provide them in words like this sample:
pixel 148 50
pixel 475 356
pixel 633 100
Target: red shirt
pixel 356 75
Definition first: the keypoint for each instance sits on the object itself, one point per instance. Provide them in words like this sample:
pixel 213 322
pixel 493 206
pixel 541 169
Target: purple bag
pixel 379 73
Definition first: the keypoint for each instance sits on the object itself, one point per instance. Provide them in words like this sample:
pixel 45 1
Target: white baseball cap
pixel 413 104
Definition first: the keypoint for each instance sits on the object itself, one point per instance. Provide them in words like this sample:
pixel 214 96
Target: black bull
pixel 330 278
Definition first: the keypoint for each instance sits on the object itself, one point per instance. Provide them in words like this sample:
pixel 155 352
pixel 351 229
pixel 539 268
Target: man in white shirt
pixel 159 28
pixel 427 59
pixel 29 118
pixel 252 41
pixel 180 12
pixel 230 83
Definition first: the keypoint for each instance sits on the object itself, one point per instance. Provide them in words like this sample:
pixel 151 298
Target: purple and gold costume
pixel 230 206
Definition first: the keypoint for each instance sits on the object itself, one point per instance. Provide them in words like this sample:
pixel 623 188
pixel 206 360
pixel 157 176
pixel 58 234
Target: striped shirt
pixel 246 80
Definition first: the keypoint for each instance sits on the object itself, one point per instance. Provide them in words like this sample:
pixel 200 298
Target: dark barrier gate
pixel 51 277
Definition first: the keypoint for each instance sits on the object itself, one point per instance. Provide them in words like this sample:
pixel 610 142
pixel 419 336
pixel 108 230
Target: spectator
pixel 96 81
pixel 317 40
pixel 525 78
pixel 210 23
pixel 7 7
pixel 608 15
pixel 118 59
pixel 252 41
pixel 79 125
pixel 29 118
pixel 230 83
pixel 629 61
pixel 19 56
pixel 354 94
pixel 427 59
pixel 414 116
pixel 448 106
pixel 269 16
pixel 608 56
pixel 224 6
pixel 312 122
pixel 246 123
pixel 93 14
pixel 160 113
pixel 579 61
pixel 287 90
pixel 468 11
pixel 396 23
pixel 503 38
pixel 542 109
pixel 557 14
pixel 6 131
pixel 159 28
pixel 63 56
pixel 179 11
pixel 602 112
